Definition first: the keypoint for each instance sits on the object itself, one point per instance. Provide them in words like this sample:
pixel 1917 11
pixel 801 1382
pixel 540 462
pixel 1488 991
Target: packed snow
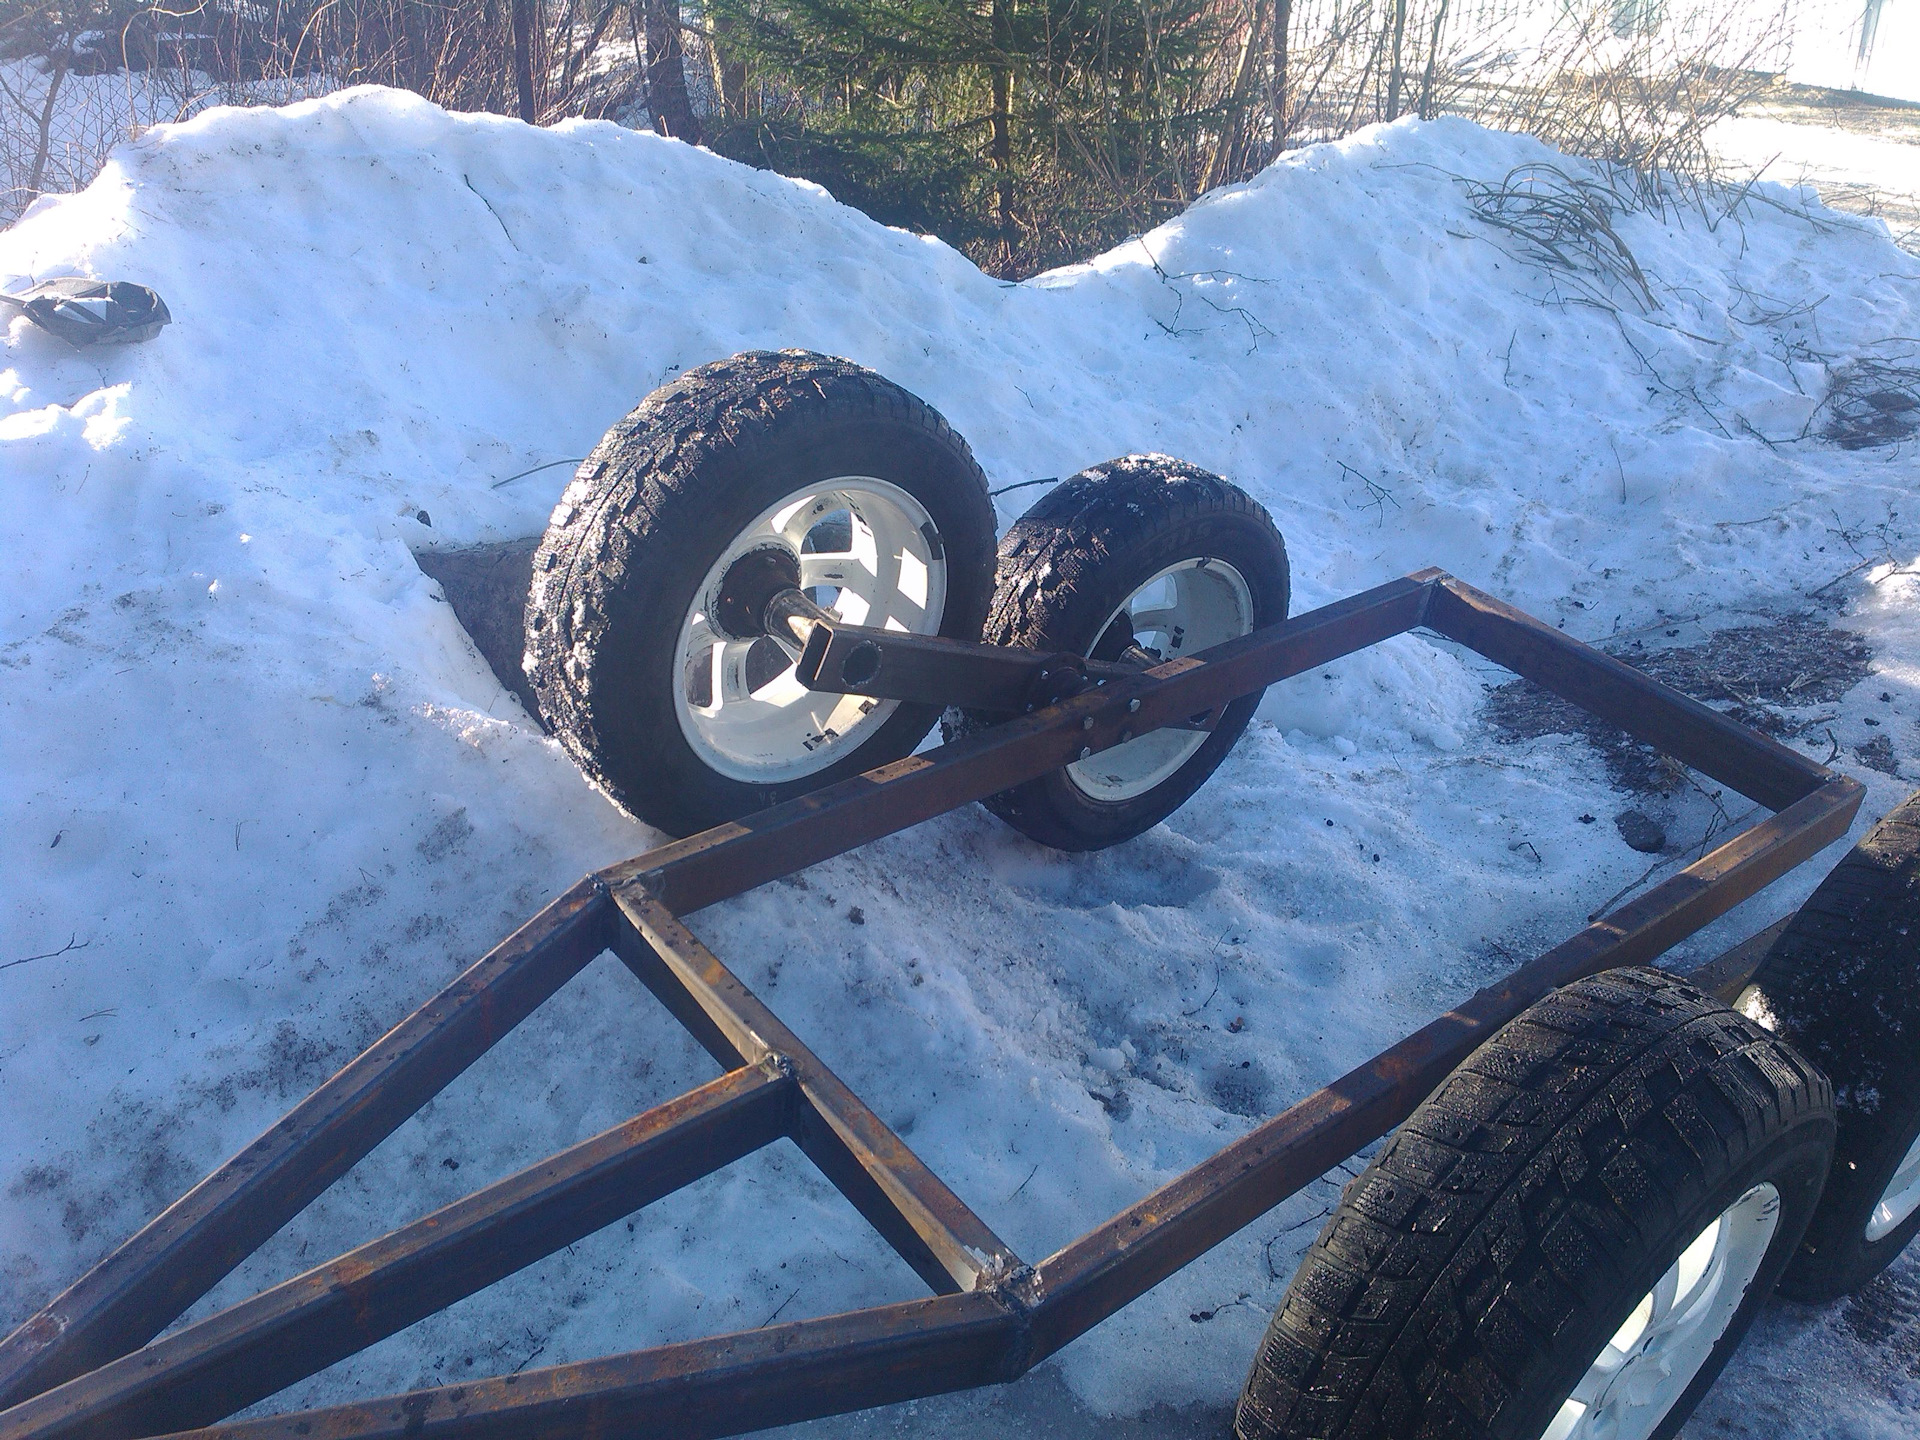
pixel 262 796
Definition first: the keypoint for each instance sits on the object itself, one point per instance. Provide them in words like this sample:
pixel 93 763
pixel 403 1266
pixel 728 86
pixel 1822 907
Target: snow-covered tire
pixel 703 465
pixel 1474 1279
pixel 1068 568
pixel 1842 986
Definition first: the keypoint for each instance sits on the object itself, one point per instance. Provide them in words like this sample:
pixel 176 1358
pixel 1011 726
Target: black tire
pixel 659 501
pixel 1070 562
pixel 1842 986
pixel 1477 1268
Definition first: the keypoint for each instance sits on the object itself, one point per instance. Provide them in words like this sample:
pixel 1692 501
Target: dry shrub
pixel 1565 223
pixel 1871 402
pixel 1024 149
pixel 1642 101
pixel 75 80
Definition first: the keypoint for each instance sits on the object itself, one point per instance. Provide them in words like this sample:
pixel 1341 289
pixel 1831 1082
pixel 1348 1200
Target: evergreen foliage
pixel 1026 132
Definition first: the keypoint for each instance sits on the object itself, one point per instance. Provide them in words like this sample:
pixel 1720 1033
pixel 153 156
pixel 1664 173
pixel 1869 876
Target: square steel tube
pixel 259 1346
pixel 150 1280
pixel 690 874
pixel 928 1226
pixel 730 859
pixel 929 669
pixel 1756 765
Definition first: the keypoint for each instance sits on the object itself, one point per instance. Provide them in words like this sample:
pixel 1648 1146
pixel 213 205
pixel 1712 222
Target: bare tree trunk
pixel 1433 55
pixel 729 75
pixel 1001 148
pixel 667 73
pixel 1227 150
pixel 1282 23
pixel 523 58
pixel 578 57
pixel 1393 75
pixel 60 59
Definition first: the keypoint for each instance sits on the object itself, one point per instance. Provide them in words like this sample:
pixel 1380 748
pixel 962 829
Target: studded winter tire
pixel 1842 986
pixel 1566 1240
pixel 656 683
pixel 1150 553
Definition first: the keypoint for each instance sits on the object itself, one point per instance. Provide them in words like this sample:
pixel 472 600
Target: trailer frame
pixel 88 1365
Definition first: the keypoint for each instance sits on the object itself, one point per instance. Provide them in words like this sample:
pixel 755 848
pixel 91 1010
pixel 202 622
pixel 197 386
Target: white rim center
pixel 867 551
pixel 1185 608
pixel 1901 1197
pixel 1669 1335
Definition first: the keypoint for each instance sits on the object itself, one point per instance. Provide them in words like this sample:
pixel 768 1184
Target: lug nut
pixel 1086 723
pixel 1085 751
pixel 1133 707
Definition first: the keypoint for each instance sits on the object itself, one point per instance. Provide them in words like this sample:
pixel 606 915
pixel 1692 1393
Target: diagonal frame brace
pixel 928 1226
pixel 151 1280
pixel 295 1329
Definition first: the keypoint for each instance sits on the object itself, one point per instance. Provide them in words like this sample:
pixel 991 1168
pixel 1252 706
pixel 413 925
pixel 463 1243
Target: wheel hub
pixel 859 547
pixel 1638 1375
pixel 750 582
pixel 1187 607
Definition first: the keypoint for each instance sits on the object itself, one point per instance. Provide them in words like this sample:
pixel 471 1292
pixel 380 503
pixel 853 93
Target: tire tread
pixel 1527 1179
pixel 645 478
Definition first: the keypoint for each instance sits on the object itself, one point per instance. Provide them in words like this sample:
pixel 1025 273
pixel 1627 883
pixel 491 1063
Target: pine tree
pixel 1023 131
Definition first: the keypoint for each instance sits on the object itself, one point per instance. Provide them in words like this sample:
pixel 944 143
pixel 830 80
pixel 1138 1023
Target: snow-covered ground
pixel 1863 155
pixel 261 795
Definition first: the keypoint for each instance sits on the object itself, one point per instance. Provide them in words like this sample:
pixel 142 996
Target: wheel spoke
pixel 730 673
pixel 842 570
pixel 1161 621
pixel 885 595
pixel 696 664
pixel 902 612
pixel 808 513
pixel 1599 1376
pixel 1665 1292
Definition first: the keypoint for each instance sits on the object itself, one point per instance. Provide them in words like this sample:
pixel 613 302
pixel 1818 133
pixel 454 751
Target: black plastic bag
pixel 92 312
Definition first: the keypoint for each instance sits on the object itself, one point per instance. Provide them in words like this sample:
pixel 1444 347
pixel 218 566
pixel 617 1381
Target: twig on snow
pixel 74 942
pixel 1025 485
pixel 536 470
pixel 1023 1184
pixel 778 1309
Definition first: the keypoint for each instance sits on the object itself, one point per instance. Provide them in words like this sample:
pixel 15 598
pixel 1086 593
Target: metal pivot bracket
pixel 844 659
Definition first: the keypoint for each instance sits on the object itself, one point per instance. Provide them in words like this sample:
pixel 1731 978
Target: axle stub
pixel 1002 680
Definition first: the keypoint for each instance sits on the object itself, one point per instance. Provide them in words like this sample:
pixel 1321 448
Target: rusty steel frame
pixel 88 1365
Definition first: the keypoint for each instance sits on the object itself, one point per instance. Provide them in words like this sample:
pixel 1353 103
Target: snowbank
pixel 262 796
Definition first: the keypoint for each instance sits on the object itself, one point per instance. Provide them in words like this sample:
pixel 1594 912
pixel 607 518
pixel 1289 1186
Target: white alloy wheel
pixel 1901 1197
pixel 1186 608
pixel 866 550
pixel 1669 1335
